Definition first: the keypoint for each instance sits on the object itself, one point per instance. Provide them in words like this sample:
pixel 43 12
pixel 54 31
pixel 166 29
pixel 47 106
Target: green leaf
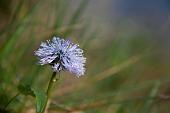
pixel 25 90
pixel 41 100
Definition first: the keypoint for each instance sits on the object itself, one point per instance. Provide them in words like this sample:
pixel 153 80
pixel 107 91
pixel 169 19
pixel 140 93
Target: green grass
pixel 122 73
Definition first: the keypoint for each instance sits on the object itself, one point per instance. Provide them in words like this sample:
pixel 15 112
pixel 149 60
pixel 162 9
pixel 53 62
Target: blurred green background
pixel 126 43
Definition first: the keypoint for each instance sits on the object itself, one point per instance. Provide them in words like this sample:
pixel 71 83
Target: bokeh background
pixel 126 43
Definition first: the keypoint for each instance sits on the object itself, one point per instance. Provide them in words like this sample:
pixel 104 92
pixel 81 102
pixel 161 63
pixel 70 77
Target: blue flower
pixel 62 55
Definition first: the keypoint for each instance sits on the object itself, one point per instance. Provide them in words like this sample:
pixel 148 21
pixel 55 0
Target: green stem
pixel 13 98
pixel 50 85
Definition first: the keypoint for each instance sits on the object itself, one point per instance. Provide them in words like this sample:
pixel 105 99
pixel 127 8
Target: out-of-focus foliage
pixel 124 71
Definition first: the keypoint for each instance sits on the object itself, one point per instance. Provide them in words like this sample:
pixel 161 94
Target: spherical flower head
pixel 62 55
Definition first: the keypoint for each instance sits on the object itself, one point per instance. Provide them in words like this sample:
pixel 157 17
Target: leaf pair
pixel 40 96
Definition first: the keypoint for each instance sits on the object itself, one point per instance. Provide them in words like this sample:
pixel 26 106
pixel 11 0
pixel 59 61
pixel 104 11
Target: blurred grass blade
pixel 76 15
pixel 11 41
pixel 92 36
pixel 118 68
pixel 24 49
pixel 16 12
pixel 84 30
pixel 148 103
pixel 13 18
pixel 63 6
pixel 79 11
pixel 13 23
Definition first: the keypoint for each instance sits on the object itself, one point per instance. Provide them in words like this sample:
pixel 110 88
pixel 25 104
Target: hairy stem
pixel 50 85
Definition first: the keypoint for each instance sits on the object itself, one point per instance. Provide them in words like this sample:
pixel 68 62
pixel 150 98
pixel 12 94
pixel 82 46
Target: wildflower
pixel 62 55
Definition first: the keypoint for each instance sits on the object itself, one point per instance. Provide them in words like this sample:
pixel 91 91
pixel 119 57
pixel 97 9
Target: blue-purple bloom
pixel 62 55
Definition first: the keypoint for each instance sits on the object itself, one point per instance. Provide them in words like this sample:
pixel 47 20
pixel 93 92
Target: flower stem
pixel 50 85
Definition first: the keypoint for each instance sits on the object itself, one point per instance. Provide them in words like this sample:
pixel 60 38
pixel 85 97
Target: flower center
pixel 57 59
